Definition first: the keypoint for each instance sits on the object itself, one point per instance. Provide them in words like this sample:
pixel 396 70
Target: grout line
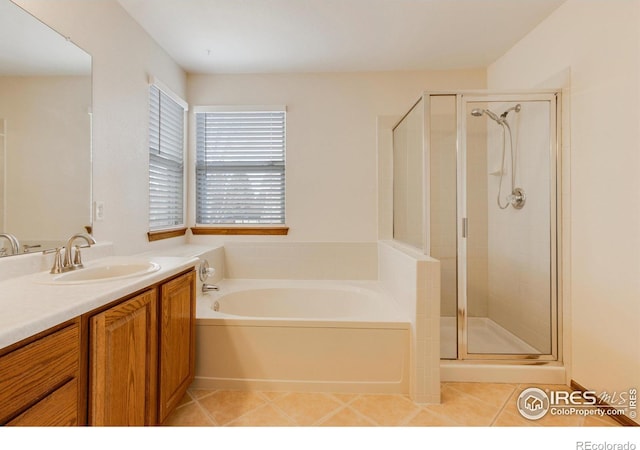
pixel 504 405
pixel 214 422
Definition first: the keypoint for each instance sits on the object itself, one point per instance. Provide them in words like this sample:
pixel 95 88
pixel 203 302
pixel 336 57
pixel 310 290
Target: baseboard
pixel 622 420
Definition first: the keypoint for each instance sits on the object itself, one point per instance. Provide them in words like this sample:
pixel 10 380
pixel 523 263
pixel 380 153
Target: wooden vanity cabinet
pixel 142 355
pixel 123 356
pixel 127 363
pixel 40 379
pixel 176 340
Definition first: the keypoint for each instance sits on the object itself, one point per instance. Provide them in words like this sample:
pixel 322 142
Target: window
pixel 166 160
pixel 240 166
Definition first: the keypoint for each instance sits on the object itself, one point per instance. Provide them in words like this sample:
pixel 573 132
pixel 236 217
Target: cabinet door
pixel 177 341
pixel 123 363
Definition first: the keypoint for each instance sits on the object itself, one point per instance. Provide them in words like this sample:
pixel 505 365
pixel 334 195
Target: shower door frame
pixel 555 169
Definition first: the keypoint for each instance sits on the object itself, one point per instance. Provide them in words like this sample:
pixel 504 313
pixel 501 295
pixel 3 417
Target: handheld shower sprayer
pixel 479 112
pixel 517 197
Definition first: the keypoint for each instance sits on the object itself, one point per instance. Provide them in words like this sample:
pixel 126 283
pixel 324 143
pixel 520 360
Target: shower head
pixel 516 108
pixel 478 112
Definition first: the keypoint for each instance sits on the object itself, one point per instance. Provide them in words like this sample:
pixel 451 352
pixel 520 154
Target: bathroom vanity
pixel 126 360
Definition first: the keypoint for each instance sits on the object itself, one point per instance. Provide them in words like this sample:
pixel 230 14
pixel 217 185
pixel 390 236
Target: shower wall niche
pixel 475 186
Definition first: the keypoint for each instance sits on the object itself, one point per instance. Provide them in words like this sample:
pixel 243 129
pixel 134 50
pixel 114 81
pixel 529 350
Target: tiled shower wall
pixel 519 240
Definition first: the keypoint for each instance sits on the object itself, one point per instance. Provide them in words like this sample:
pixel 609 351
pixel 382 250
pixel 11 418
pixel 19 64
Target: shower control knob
pixel 517 198
pixel 205 271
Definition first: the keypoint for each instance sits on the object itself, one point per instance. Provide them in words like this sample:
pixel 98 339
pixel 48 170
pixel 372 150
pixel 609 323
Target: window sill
pixel 165 234
pixel 264 231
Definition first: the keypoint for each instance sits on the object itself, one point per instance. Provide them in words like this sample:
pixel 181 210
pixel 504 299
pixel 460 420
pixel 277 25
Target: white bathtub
pixel 301 335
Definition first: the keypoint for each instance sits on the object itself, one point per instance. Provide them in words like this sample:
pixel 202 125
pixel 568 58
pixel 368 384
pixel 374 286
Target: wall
pixel 332 158
pixel 124 56
pixel 598 43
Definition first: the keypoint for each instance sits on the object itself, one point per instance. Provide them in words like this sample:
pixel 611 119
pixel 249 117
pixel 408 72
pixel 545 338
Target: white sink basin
pixel 105 272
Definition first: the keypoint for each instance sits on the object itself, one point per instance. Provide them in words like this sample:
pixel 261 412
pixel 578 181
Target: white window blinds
pixel 166 160
pixel 240 167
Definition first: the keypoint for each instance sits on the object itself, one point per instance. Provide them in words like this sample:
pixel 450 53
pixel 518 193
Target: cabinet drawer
pixel 34 371
pixel 60 408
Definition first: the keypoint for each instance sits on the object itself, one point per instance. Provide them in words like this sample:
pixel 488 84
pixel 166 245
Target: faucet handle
pixel 77 258
pixel 57 261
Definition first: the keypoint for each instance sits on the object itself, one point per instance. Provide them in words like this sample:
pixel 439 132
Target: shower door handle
pixel 465 227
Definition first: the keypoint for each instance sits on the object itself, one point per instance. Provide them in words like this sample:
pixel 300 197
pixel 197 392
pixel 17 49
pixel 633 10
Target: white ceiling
pixel 264 36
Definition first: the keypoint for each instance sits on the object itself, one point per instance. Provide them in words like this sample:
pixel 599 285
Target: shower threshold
pixel 484 337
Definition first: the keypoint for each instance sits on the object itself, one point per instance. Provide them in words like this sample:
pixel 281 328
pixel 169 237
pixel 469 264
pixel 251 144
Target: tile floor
pixel 463 404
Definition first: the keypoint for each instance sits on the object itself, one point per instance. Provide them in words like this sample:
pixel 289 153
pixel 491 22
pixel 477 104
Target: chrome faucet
pixel 209 287
pixel 76 262
pixel 205 272
pixel 15 245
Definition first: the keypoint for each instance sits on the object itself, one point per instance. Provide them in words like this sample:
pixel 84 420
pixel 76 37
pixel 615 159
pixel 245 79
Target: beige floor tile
pixel 263 416
pixel 273 395
pixel 190 415
pixel 600 421
pixel 346 417
pixel 186 398
pixel 226 406
pixel 307 408
pixel 427 418
pixel 464 409
pixel 507 419
pixel 385 410
pixel 343 397
pixel 495 394
pixel 199 393
pixel 463 404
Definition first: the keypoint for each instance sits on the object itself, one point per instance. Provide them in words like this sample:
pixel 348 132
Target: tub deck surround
pixel 303 335
pixel 30 306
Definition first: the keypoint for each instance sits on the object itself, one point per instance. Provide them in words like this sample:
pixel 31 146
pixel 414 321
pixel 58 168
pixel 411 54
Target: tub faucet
pixel 13 242
pixel 76 263
pixel 209 287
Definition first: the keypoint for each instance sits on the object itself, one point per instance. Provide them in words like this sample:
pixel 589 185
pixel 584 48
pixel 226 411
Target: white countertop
pixel 29 306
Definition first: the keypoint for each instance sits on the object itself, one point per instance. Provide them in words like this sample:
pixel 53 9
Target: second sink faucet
pixel 76 262
pixel 13 242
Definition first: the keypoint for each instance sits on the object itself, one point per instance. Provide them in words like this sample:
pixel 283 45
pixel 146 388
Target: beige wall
pixel 332 154
pixel 332 173
pixel 123 58
pixel 598 43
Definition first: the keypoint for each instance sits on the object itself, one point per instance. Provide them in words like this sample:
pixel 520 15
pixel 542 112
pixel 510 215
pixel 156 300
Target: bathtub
pixel 315 336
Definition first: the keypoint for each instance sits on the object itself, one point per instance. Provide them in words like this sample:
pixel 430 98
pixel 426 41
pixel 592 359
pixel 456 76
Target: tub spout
pixel 209 287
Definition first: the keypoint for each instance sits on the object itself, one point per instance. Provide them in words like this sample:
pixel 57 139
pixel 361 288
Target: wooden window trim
pixel 263 231
pixel 165 234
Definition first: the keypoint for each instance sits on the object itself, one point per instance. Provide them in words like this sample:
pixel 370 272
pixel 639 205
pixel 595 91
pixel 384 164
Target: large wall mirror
pixel 45 133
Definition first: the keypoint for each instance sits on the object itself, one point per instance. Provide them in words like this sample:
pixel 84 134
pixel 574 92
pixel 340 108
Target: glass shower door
pixel 507 230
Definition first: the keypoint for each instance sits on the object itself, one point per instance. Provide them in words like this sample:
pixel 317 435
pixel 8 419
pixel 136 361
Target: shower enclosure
pixel 476 187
